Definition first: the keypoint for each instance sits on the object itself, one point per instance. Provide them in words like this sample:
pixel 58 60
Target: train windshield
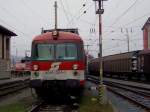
pixel 62 51
pixel 45 51
pixel 66 51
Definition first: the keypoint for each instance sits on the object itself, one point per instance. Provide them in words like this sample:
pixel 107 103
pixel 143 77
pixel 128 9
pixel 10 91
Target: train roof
pixel 94 59
pixel 61 36
pixel 120 55
pixel 71 30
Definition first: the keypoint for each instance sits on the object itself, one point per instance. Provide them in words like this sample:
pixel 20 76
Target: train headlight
pixel 75 67
pixel 55 34
pixel 35 67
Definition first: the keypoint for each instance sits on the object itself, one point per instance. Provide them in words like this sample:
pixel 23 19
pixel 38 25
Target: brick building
pixel 5 36
pixel 146 34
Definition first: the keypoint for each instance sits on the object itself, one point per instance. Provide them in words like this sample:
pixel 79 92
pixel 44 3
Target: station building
pixel 5 36
pixel 146 35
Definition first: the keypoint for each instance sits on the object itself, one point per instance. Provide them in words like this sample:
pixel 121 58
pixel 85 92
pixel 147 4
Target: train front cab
pixel 58 67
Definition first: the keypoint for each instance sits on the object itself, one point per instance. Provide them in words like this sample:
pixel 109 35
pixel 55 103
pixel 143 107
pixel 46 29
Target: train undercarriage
pixel 57 88
pixel 129 76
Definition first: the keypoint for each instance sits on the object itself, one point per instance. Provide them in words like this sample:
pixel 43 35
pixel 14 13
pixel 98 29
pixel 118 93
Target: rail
pixel 140 96
pixel 11 87
pixel 46 107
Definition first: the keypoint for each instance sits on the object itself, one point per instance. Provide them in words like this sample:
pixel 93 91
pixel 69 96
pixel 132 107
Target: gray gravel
pixel 24 94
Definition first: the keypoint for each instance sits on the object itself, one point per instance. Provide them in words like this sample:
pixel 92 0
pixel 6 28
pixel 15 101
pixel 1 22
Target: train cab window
pixel 60 51
pixel 66 51
pixel 71 51
pixel 45 51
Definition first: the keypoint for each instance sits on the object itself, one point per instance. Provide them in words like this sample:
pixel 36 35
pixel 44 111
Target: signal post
pixel 102 88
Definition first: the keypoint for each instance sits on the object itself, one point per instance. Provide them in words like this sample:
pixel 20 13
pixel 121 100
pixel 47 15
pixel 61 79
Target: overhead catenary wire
pixel 115 7
pixel 118 19
pixel 80 13
pixel 124 13
pixel 90 6
pixel 65 12
pixel 42 19
pixel 137 19
pixel 13 28
pixel 74 15
pixel 14 17
pixel 68 7
pixel 68 13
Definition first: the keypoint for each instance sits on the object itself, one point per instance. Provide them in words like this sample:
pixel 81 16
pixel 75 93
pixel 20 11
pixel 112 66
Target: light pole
pixel 102 94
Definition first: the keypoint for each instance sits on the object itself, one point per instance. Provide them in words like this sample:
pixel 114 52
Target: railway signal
pixel 100 11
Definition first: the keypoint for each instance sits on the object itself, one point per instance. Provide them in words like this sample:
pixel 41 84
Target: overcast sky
pixel 27 17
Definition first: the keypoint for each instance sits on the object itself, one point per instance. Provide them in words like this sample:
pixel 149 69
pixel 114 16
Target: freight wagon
pixel 130 65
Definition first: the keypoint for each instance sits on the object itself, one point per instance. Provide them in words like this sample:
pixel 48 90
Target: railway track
pixel 10 87
pixel 138 95
pixel 46 107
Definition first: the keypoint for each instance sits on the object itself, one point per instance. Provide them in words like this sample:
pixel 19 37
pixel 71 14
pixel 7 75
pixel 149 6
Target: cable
pixel 14 17
pixel 4 9
pixel 14 27
pixel 64 11
pixel 33 11
pixel 135 20
pixel 85 11
pixel 124 13
pixel 66 1
pixel 78 11
pixel 80 14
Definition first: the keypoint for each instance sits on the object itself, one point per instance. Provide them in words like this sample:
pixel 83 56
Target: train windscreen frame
pixel 68 51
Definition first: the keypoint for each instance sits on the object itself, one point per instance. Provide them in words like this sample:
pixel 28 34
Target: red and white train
pixel 21 68
pixel 58 62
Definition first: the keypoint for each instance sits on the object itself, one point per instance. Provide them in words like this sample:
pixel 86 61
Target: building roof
pixel 147 23
pixel 6 31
